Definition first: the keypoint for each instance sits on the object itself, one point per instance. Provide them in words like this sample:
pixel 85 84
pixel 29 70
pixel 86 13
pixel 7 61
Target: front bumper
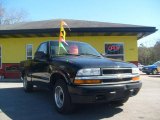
pixel 103 93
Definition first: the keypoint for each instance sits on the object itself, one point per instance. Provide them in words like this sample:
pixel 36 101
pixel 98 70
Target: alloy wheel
pixel 59 96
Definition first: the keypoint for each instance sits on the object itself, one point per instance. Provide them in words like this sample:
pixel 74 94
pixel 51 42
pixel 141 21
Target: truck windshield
pixel 72 48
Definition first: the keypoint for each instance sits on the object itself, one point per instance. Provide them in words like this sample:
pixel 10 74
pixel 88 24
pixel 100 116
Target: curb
pixel 10 80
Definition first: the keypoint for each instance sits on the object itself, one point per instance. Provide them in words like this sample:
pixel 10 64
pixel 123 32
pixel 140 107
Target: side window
pixel 114 50
pixel 157 63
pixel 0 56
pixel 29 51
pixel 43 48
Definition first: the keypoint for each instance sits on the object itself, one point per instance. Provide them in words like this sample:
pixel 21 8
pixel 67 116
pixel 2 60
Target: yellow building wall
pixel 14 49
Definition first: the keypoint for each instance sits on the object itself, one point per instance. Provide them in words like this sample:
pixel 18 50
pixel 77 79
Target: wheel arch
pixel 154 70
pixel 58 75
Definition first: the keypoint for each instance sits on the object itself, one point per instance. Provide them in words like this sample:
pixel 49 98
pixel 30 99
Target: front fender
pixel 60 74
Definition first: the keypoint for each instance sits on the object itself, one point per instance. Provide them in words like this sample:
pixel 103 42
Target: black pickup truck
pixel 79 74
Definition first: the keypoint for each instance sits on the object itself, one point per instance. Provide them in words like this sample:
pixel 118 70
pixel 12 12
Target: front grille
pixel 116 71
pixel 116 80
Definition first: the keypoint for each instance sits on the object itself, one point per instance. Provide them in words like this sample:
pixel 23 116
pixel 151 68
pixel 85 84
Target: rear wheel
pixel 61 97
pixel 154 72
pixel 27 85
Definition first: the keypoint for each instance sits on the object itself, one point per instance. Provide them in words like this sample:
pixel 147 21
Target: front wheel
pixel 147 73
pixel 61 97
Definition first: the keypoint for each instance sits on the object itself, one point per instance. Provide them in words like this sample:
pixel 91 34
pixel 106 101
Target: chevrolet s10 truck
pixel 79 74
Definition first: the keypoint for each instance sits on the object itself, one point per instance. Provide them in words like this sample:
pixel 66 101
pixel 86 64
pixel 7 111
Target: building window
pixel 0 56
pixel 114 50
pixel 29 49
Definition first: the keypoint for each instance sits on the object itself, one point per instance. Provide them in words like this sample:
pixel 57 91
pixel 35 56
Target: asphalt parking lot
pixel 17 105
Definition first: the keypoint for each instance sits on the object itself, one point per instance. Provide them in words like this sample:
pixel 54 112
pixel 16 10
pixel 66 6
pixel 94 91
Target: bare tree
pixel 14 17
pixel 149 55
pixel 157 50
pixel 11 16
pixel 1 12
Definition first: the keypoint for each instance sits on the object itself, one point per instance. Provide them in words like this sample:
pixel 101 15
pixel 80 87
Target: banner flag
pixel 62 36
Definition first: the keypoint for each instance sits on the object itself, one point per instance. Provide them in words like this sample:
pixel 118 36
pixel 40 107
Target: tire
pixel 154 71
pixel 148 73
pixel 27 85
pixel 62 100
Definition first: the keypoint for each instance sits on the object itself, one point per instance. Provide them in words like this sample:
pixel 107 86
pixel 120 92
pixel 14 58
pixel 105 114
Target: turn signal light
pixel 135 78
pixel 87 81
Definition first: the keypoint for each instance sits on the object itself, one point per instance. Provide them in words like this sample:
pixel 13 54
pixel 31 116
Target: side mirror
pixel 103 54
pixel 40 56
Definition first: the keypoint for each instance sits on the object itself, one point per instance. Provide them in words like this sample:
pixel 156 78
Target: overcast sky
pixel 138 12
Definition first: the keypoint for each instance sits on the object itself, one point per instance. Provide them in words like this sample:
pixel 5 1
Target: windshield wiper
pixel 71 54
pixel 67 54
pixel 89 54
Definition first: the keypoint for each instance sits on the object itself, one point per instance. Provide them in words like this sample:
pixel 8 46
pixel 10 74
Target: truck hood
pixel 93 62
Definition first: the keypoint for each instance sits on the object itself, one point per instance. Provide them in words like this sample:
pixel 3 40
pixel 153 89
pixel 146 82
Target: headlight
pixel 135 70
pixel 89 72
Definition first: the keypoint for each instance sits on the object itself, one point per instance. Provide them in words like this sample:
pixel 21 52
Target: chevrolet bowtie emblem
pixel 120 76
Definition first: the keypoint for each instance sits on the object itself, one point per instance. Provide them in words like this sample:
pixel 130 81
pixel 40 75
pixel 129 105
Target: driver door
pixel 40 66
